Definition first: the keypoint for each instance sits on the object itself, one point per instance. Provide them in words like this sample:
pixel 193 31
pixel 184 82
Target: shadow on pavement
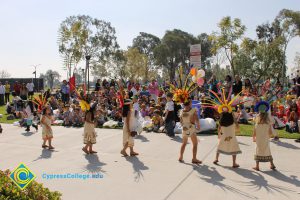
pixel 176 138
pixel 284 178
pixel 94 165
pixel 212 176
pixel 257 181
pixel 142 138
pixel 138 167
pixel 46 154
pixel 285 144
pixel 27 133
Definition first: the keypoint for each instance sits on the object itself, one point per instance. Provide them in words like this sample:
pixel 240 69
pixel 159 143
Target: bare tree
pixel 4 74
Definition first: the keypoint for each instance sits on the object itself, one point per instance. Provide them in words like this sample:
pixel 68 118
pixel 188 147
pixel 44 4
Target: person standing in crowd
pixel 7 92
pixel 112 83
pixel 17 88
pixel 248 85
pixel 213 84
pixel 237 85
pixel 23 92
pixel 30 87
pixel 65 90
pixel 2 93
pixel 98 85
pixel 144 92
pixel 228 86
pixel 169 116
pixel 153 90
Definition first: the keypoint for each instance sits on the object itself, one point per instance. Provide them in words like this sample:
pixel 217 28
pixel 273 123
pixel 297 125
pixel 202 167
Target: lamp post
pixel 83 81
pixel 88 71
pixel 35 75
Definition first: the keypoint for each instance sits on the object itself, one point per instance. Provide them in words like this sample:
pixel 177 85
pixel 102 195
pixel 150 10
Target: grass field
pixel 246 130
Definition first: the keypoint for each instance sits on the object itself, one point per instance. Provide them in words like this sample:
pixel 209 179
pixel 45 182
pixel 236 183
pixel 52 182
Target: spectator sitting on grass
pixel 242 115
pixel 144 110
pixel 77 117
pixel 157 121
pixel 67 116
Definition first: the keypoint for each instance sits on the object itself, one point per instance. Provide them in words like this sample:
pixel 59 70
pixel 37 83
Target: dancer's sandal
pixel 85 150
pixel 44 146
pixel 255 168
pixel 235 166
pixel 133 154
pixel 181 160
pixel 273 167
pixel 124 153
pixel 196 161
pixel 216 162
pixel 93 152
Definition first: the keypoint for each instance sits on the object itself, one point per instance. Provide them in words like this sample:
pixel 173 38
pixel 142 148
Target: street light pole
pixel 35 75
pixel 88 72
pixel 83 81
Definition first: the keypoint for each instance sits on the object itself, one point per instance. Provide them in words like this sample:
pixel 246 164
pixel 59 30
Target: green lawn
pixel 246 130
pixel 4 116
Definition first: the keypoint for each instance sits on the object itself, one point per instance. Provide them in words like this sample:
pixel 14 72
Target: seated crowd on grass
pixel 150 101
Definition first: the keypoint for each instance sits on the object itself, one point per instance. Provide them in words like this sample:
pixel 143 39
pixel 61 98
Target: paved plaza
pixel 155 174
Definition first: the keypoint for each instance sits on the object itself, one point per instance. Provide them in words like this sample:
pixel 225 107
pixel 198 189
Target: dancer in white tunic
pixel 261 136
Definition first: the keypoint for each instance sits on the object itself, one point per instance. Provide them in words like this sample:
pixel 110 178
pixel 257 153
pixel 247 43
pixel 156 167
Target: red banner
pixel 72 83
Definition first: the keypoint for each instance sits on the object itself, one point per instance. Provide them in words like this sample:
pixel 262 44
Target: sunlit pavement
pixel 155 173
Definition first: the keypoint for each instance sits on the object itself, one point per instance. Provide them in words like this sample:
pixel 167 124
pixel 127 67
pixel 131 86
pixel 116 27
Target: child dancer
pixel 89 135
pixel 47 133
pixel 190 126
pixel 228 144
pixel 129 128
pixel 261 135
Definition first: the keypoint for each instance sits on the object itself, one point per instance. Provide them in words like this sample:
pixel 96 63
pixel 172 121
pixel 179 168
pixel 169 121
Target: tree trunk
pixel 172 72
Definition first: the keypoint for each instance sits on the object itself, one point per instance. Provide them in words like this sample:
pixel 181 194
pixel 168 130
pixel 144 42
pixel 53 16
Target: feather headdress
pixel 40 101
pixel 83 99
pixel 262 107
pixel 221 103
pixel 184 89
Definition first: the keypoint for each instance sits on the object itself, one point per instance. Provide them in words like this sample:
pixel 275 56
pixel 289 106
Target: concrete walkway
pixel 155 174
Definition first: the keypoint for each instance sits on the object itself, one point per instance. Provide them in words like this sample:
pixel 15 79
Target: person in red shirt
pixel 17 88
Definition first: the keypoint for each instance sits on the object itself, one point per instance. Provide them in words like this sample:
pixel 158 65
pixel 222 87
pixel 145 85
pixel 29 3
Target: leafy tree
pixel 82 35
pixel 206 47
pixel 292 17
pixel 112 67
pixel 231 31
pixel 174 50
pixel 146 44
pixel 286 26
pixel 50 77
pixel 136 64
pixel 260 58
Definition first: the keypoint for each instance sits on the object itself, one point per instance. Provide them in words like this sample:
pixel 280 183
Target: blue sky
pixel 29 28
